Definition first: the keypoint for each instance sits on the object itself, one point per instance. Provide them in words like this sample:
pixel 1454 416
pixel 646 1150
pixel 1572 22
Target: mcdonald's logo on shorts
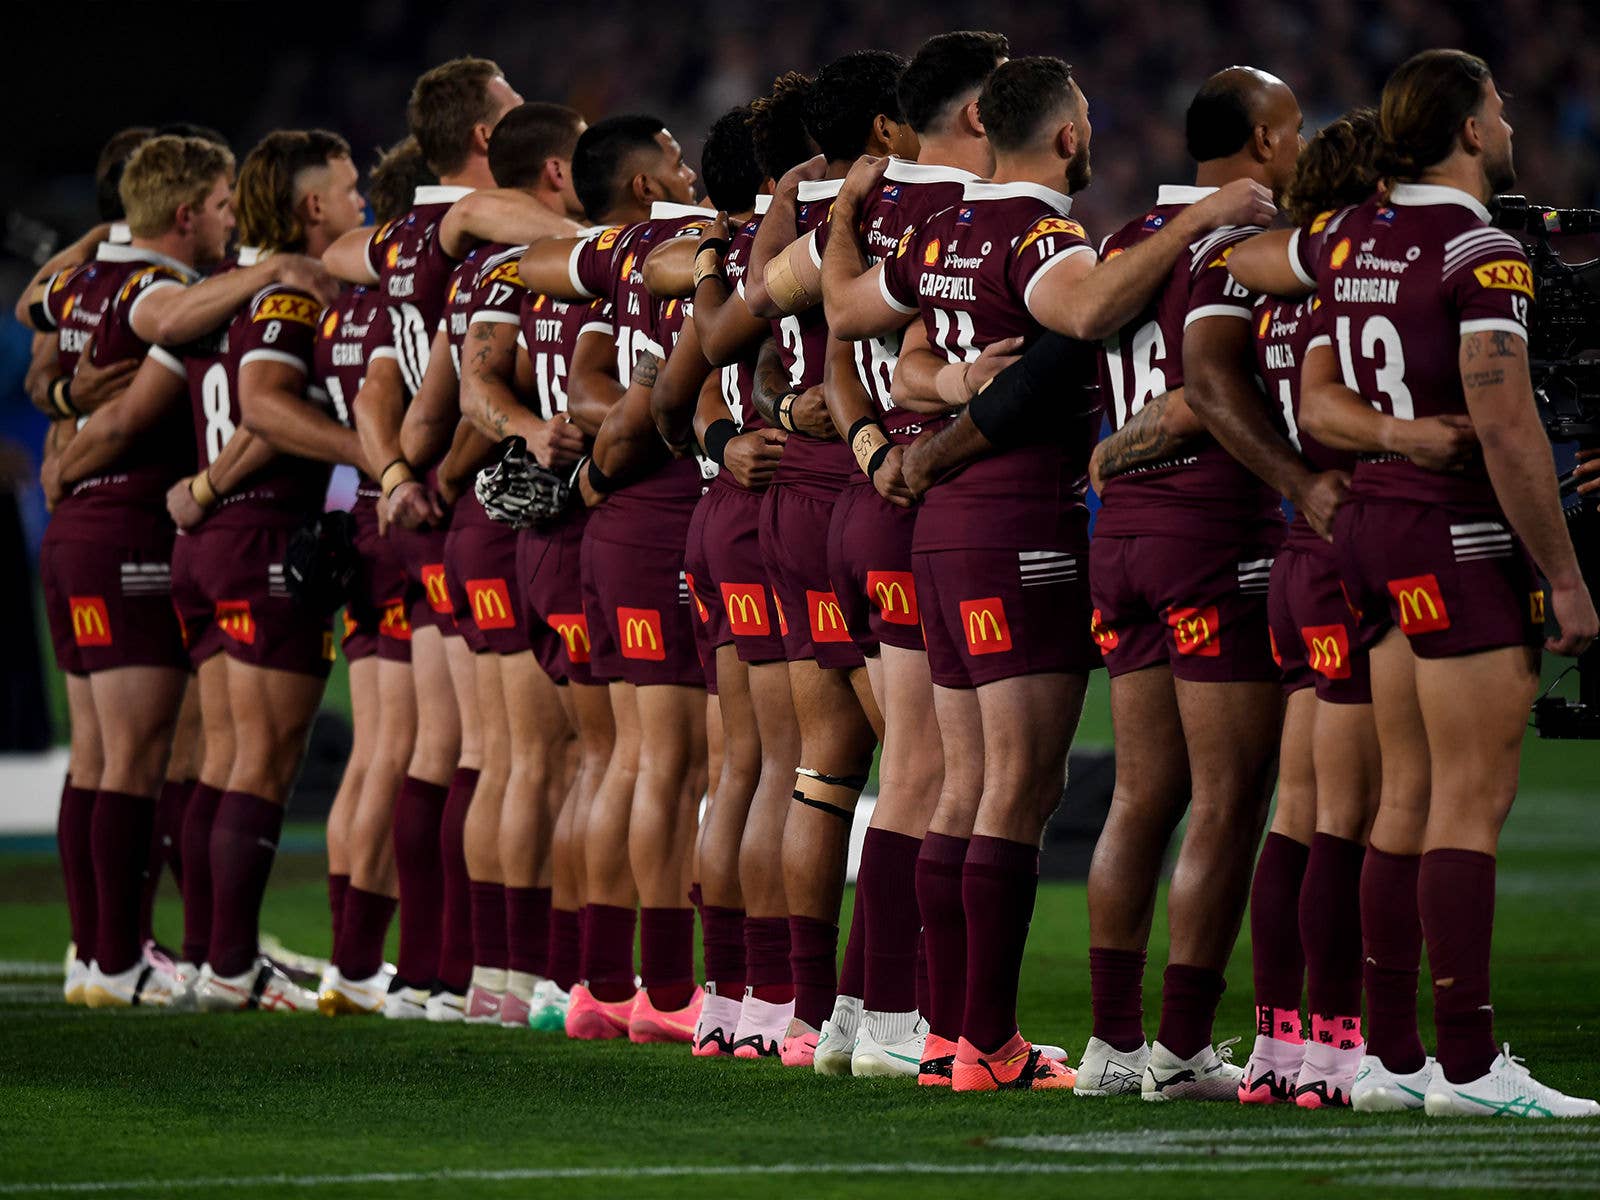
pixel 1419 604
pixel 573 629
pixel 395 623
pixel 827 618
pixel 91 624
pixel 438 591
pixel 491 604
pixel 1536 607
pixel 1196 631
pixel 700 609
pixel 235 619
pixel 1104 636
pixel 895 594
pixel 747 609
pixel 640 631
pixel 984 622
pixel 1327 650
pixel 1272 641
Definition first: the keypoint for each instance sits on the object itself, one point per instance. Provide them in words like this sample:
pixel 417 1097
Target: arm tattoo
pixel 771 382
pixel 483 337
pixel 1492 344
pixel 1142 440
pixel 646 368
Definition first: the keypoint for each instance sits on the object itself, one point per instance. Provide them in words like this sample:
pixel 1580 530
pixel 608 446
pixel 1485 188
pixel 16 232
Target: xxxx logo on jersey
pixel 985 626
pixel 301 309
pixel 1536 607
pixel 1509 273
pixel 1046 226
pixel 506 272
pixel 1196 631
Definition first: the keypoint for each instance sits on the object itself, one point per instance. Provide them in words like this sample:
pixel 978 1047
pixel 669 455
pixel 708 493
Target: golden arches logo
pixel 1196 631
pixel 91 624
pixel 438 591
pixel 573 629
pixel 1327 650
pixel 641 634
pixel 491 604
pixel 895 594
pixel 1419 605
pixel 827 618
pixel 235 619
pixel 985 625
pixel 747 609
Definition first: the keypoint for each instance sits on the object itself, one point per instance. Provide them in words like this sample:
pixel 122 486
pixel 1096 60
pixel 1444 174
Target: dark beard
pixel 1079 172
pixel 1502 175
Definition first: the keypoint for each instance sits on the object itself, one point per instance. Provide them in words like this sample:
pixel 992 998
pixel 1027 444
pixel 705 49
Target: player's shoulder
pixel 501 266
pixel 284 302
pixel 1212 251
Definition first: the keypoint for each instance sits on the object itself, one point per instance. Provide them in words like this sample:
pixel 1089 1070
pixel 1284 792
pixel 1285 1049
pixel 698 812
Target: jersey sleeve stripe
pixel 1215 310
pixel 150 289
pixel 383 352
pixel 489 316
pixel 1295 264
pixel 572 272
pixel 1046 267
pixel 811 249
pixel 1321 339
pixel 277 356
pixel 169 360
pixel 888 297
pixel 1493 325
pixel 597 327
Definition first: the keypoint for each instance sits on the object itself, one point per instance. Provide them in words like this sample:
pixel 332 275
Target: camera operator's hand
pixel 1588 472
pixel 1576 622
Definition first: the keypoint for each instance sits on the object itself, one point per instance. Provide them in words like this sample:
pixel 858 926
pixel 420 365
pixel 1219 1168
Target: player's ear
pixel 183 218
pixel 1066 141
pixel 555 174
pixel 969 120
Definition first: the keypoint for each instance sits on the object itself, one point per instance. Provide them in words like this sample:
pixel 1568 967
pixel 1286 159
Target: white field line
pixel 23 969
pixel 1144 1140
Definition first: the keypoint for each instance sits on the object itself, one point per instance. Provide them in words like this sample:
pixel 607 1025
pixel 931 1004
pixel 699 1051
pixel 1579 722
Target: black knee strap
pixel 854 782
pixel 833 810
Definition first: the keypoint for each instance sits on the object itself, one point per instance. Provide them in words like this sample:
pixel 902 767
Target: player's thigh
pixel 87 753
pixel 1152 759
pixel 396 698
pixel 272 709
pixel 536 719
pixel 489 709
pixel 833 728
pixel 184 761
pixel 1231 731
pixel 137 707
pixel 1296 813
pixel 1406 762
pixel 672 728
pixel 961 731
pixel 460 661
pixel 1349 771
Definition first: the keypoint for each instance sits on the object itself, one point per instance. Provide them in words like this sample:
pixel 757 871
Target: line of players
pixel 806 523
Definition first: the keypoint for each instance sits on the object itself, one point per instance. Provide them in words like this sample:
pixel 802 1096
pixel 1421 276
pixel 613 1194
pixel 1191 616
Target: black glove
pixel 320 566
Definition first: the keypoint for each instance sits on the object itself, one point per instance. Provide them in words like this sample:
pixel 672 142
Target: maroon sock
pixel 1276 957
pixel 566 947
pixel 119 839
pixel 1455 895
pixel 166 839
pixel 853 971
pixel 1189 999
pixel 488 906
pixel 1330 926
pixel 74 823
pixel 944 931
pixel 528 930
pixel 418 813
pixel 338 886
pixel 887 886
pixel 722 935
pixel 999 882
pixel 197 823
pixel 362 932
pixel 813 954
pixel 244 841
pixel 1116 990
pixel 608 951
pixel 1391 947
pixel 767 971
pixel 922 973
pixel 666 956
pixel 455 924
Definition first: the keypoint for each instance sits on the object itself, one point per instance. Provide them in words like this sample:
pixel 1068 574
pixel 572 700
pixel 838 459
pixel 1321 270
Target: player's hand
pixel 1242 202
pixel 890 479
pixel 557 444
pixel 916 467
pixel 50 481
pixel 412 505
pixel 182 507
pixel 1588 472
pixel 1573 609
pixel 307 274
pixel 1443 443
pixel 862 179
pixel 810 415
pixel 1320 498
pixel 813 168
pixel 92 386
pixel 1097 460
pixel 716 231
pixel 752 458
pixel 996 357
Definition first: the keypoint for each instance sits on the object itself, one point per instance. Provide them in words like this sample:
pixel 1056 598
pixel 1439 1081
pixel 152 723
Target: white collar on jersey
pixel 249 256
pixel 1181 193
pixel 438 193
pixel 120 233
pixel 115 252
pixel 763 202
pixel 1418 194
pixel 1005 191
pixel 903 170
pixel 818 189
pixel 665 210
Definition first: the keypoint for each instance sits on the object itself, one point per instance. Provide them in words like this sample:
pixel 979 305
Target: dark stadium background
pixel 76 74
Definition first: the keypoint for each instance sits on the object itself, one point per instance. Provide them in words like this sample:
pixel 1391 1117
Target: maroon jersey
pixel 739 379
pixel 339 360
pixel 487 275
pixel 413 275
pixel 130 496
pixel 550 332
pixel 1202 491
pixel 1401 284
pixel 971 270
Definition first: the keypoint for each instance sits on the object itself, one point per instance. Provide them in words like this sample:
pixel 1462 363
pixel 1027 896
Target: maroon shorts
pixel 549 567
pixel 989 615
pixel 428 592
pixel 640 612
pixel 110 605
pixel 1314 634
pixel 794 546
pixel 1454 581
pixel 481 565
pixel 869 557
pixel 731 545
pixel 228 586
pixel 375 621
pixel 710 618
pixel 1200 607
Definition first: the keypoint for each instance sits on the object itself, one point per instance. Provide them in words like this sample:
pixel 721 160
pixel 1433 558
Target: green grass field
pixel 148 1104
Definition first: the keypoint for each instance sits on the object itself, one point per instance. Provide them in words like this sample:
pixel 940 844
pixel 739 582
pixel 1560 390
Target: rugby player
pixel 1424 313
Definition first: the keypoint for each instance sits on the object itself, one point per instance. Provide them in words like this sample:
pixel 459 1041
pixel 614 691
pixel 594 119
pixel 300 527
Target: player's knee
pixel 833 795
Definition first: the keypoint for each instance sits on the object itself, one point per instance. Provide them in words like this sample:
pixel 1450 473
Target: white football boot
pixel 72 986
pixel 446 1008
pixel 1209 1075
pixel 1508 1090
pixel 762 1027
pixel 1273 1071
pixel 341 997
pixel 548 1011
pixel 485 993
pixel 1106 1071
pixel 140 986
pixel 836 1040
pixel 1378 1089
pixel 406 1004
pixel 262 987
pixel 716 1026
pixel 888 1045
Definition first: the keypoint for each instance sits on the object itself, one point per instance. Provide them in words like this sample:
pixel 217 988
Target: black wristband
pixel 718 434
pixel 60 394
pixel 849 438
pixel 1024 401
pixel 599 480
pixel 39 316
pixel 876 460
pixel 720 245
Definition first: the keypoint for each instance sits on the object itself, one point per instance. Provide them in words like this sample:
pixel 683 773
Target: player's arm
pixel 728 329
pixel 1267 263
pixel 29 309
pixel 852 295
pixel 593 389
pixel 499 215
pixel 1151 434
pixel 379 409
pixel 1337 416
pixel 490 402
pixel 628 444
pixel 273 406
pixel 675 399
pixel 44 356
pixel 782 292
pixel 430 419
pixel 192 497
pixel 1091 300
pixel 669 268
pixel 1494 376
pixel 751 457
pixel 548 266
pixel 156 388
pixel 172 315
pixel 926 381
pixel 350 256
pixel 468 451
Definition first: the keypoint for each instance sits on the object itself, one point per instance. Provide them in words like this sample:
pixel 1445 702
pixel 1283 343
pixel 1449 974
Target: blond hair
pixel 165 173
pixel 265 201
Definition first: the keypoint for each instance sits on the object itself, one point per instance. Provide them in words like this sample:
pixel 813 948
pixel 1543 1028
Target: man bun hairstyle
pixel 166 173
pixel 446 104
pixel 1425 103
pixel 395 178
pixel 1338 167
pixel 847 96
pixel 777 123
pixel 604 151
pixel 1021 96
pixel 529 136
pixel 266 198
pixel 945 69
